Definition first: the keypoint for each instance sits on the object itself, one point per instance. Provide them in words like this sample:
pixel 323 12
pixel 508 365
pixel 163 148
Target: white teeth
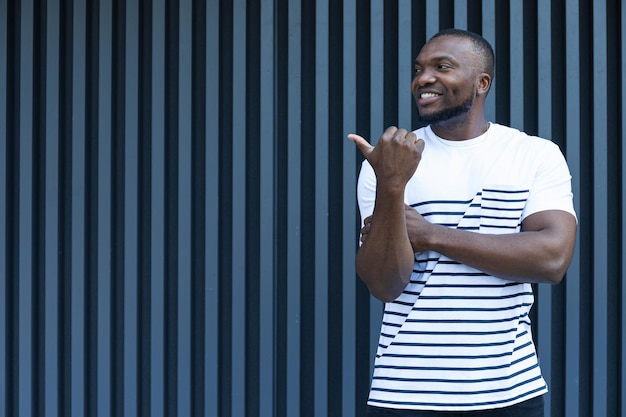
pixel 428 95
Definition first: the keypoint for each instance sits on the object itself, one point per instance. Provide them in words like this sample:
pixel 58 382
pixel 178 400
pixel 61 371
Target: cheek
pixel 463 92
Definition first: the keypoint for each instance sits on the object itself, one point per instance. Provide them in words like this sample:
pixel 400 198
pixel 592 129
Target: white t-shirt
pixel 457 338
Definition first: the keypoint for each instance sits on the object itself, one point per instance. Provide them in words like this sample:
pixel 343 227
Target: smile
pixel 428 95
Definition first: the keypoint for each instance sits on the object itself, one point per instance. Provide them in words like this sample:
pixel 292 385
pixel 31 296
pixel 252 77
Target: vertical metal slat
pixel 321 341
pixel 600 218
pixel 405 65
pixel 622 359
pixel 51 372
pixel 349 208
pixel 77 203
pixel 267 227
pixel 239 126
pixel 104 149
pixel 25 276
pixel 157 250
pixel 377 73
pixel 184 211
pixel 212 172
pixel 489 33
pixel 131 211
pixel 3 200
pixel 572 283
pixel 293 215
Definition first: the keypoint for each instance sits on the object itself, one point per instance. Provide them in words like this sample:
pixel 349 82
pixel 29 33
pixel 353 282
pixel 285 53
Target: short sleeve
pixel 366 190
pixel 552 185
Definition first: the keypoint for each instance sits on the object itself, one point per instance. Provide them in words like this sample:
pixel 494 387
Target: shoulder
pixel 514 134
pixel 522 141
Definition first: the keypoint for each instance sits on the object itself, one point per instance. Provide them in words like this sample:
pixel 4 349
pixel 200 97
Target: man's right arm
pixel 385 261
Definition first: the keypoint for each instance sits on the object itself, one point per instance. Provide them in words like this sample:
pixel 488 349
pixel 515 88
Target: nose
pixel 422 78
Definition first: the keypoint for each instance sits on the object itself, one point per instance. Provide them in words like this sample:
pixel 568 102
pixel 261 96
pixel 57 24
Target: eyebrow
pixel 439 59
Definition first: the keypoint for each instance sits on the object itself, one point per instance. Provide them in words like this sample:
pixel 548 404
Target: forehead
pixel 453 48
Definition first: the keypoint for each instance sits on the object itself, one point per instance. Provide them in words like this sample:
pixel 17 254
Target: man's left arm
pixel 541 252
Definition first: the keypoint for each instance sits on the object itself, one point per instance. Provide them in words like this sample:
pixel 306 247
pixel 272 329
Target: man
pixel 459 218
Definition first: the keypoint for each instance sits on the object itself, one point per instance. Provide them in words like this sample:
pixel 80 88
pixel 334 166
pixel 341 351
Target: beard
pixel 446 113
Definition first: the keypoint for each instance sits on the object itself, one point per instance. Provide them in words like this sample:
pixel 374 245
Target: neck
pixel 460 129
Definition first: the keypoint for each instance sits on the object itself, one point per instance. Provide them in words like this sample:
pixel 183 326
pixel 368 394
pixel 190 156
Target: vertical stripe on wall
pixel 178 218
pixel 125 394
pixel 621 331
pixel 211 394
pixel 573 358
pixel 600 212
pixel 4 312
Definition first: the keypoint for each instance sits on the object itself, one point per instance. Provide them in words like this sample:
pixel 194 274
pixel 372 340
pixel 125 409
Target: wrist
pixel 435 237
pixel 390 189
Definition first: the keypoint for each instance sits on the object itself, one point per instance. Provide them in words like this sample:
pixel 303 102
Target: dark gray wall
pixel 178 221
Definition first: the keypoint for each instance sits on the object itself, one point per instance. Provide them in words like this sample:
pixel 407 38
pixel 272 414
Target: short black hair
pixel 481 45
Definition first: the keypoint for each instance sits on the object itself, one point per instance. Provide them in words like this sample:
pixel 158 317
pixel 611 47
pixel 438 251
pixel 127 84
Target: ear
pixel 484 83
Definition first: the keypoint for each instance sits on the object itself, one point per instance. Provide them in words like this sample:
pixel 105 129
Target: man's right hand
pixel 395 157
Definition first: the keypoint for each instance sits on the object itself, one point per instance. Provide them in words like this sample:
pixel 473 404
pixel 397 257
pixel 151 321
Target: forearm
pixel 534 256
pixel 385 261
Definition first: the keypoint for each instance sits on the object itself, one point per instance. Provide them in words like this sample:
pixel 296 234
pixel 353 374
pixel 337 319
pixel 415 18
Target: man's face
pixel 444 85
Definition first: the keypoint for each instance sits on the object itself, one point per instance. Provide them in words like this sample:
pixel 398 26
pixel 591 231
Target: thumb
pixel 361 143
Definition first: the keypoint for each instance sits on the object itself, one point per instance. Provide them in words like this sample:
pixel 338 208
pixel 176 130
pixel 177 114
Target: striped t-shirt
pixel 457 338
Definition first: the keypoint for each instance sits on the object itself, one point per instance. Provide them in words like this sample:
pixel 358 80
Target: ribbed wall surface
pixel 178 220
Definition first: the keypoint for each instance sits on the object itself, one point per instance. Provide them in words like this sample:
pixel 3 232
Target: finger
pixel 361 143
pixel 412 137
pixel 389 133
pixel 419 144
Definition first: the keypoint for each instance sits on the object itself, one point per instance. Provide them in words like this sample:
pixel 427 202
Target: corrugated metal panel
pixel 178 220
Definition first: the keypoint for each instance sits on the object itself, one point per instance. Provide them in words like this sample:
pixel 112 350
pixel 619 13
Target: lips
pixel 427 97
